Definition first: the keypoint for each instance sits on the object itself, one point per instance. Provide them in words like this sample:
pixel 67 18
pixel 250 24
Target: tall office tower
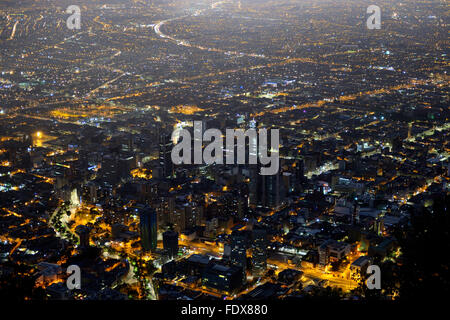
pixel 83 233
pixel 148 227
pixel 245 141
pixel 266 191
pixel 254 188
pixel 241 205
pixel 193 214
pixel 178 218
pixel 238 255
pixel 170 242
pixel 164 207
pixel 165 157
pixel 259 251
pixel 272 191
pixel 299 170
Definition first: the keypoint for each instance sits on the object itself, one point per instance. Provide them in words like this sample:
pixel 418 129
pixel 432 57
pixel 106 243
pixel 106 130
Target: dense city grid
pixel 87 179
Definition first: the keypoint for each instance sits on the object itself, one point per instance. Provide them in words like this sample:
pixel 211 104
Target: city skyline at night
pixel 198 150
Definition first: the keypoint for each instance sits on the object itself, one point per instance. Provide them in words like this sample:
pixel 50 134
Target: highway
pixel 185 43
pixel 13 30
pixel 310 274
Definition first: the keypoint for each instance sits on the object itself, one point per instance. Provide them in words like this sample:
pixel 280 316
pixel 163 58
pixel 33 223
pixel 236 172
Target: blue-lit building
pixel 148 227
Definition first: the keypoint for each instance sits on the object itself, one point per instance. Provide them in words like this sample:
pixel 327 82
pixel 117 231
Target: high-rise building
pixel 254 185
pixel 273 191
pixel 170 242
pixel 178 218
pixel 83 233
pixel 299 173
pixel 238 255
pixel 193 214
pixel 164 206
pixel 148 227
pixel 265 190
pixel 259 251
pixel 270 190
pixel 165 157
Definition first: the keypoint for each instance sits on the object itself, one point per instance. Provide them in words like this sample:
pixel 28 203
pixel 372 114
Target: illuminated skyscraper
pixel 273 191
pixel 238 256
pixel 259 251
pixel 165 150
